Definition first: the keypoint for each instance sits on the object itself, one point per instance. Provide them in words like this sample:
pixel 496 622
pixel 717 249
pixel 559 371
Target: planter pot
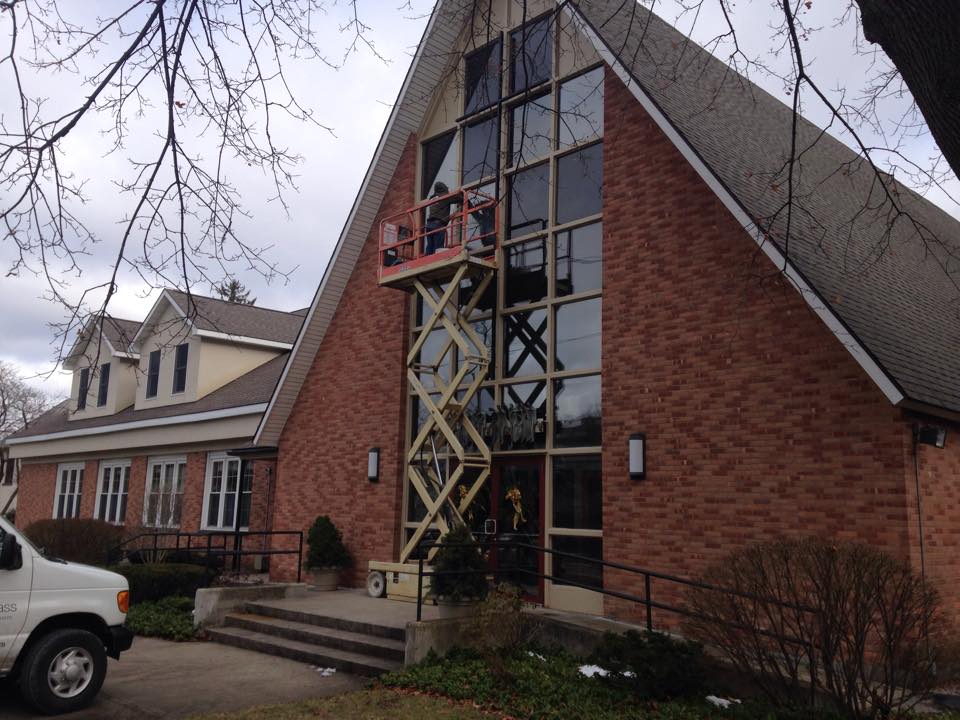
pixel 449 609
pixel 323 578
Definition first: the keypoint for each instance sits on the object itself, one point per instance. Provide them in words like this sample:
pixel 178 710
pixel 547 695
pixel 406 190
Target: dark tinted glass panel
pixel 485 331
pixel 481 150
pixel 104 385
pixel 482 78
pixel 580 260
pixel 180 368
pixel 479 413
pixel 83 389
pixel 577 571
pixel 525 343
pixel 577 492
pixel 531 129
pixel 576 415
pixel 578 335
pixel 526 272
pixel 531 54
pixel 487 300
pixel 529 199
pixel 153 374
pixel 439 163
pixel 526 417
pixel 581 108
pixel 482 219
pixel 580 184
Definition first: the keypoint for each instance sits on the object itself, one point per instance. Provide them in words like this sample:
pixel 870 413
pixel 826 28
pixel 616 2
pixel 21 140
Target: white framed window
pixel 163 498
pixel 226 492
pixel 112 489
pixel 66 502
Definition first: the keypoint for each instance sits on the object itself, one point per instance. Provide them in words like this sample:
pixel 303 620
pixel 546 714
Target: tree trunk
pixel 922 38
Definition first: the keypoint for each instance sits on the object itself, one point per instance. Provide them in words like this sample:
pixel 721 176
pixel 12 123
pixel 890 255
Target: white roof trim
pixel 242 339
pixel 846 337
pixel 138 424
pixel 148 320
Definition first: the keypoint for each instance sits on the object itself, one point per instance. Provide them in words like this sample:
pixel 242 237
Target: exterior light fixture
pixel 373 465
pixel 931 435
pixel 638 456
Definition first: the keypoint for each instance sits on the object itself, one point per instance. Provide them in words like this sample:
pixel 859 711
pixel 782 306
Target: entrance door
pixel 517 501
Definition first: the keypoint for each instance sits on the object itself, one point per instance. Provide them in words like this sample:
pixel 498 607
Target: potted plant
pixel 459 578
pixel 326 554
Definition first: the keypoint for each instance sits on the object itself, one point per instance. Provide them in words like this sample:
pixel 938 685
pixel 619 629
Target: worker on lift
pixel 438 217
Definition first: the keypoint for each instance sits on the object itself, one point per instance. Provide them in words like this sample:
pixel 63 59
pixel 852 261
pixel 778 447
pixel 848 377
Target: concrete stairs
pixel 361 648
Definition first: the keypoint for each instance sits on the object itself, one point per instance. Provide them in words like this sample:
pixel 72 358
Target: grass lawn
pixel 373 704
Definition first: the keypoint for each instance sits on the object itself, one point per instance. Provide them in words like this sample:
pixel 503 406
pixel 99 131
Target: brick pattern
pixel 352 400
pixel 758 421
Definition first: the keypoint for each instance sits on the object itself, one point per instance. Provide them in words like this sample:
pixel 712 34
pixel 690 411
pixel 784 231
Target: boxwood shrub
pixel 155 581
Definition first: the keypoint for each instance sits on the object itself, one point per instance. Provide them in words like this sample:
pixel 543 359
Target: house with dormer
pixel 155 409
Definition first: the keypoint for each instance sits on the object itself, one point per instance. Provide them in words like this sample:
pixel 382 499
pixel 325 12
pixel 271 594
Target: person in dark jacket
pixel 438 217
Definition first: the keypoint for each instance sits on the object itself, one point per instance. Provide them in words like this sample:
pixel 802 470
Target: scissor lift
pixel 449 266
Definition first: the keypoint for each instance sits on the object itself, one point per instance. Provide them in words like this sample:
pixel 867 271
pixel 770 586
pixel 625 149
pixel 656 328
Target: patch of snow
pixel 538 656
pixel 593 670
pixel 326 672
pixel 722 703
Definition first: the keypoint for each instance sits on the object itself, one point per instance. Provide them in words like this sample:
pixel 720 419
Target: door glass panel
pixel 579 571
pixel 481 145
pixel 529 200
pixel 526 272
pixel 580 184
pixel 518 521
pixel 581 108
pixel 577 492
pixel 525 343
pixel 576 414
pixel 577 332
pixel 579 259
pixel 531 130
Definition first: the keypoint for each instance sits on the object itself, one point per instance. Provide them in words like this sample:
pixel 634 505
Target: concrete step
pixel 363 644
pixel 310 618
pixel 303 652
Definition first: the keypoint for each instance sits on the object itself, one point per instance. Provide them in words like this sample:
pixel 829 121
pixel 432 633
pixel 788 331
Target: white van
pixel 58 623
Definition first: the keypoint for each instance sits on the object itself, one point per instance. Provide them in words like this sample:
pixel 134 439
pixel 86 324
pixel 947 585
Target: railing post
pixel 420 587
pixel 646 596
pixel 300 557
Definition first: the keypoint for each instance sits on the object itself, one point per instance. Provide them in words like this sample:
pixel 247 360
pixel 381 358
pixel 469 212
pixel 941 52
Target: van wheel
pixel 63 672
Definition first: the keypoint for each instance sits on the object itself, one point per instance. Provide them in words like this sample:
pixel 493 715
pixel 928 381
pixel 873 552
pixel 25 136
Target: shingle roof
pixel 120 332
pixel 892 297
pixel 253 388
pixel 208 313
pixel 883 280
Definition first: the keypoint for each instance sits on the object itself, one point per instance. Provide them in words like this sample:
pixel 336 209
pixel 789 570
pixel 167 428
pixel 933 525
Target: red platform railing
pixel 463 222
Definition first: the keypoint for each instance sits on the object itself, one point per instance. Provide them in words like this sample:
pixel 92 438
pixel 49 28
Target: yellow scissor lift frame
pixel 437 280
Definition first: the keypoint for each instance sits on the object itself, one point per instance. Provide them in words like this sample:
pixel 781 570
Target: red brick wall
pixel 758 421
pixel 352 400
pixel 36 492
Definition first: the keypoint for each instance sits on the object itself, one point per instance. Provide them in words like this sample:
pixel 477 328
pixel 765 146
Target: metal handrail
pixel 209 548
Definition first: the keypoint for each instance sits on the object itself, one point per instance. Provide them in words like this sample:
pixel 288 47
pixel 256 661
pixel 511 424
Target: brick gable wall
pixel 353 399
pixel 758 421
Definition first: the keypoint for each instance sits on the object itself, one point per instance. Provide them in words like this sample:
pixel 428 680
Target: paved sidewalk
pixel 159 680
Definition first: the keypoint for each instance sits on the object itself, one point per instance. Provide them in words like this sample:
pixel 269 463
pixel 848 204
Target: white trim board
pixel 138 424
pixel 242 339
pixel 816 303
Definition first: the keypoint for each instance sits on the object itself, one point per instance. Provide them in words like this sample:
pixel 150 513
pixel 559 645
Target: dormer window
pixel 84 389
pixel 153 374
pixel 104 385
pixel 180 368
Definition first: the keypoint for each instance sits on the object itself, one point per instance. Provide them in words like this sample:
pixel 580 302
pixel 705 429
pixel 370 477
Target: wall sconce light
pixel 373 465
pixel 638 456
pixel 931 435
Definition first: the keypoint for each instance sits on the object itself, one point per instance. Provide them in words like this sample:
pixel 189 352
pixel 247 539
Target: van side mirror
pixel 11 557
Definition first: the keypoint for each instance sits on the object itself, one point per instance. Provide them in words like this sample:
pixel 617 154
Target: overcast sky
pixel 355 101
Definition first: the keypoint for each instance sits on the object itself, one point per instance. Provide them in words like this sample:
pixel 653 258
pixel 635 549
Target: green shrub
pixel 652 665
pixel 460 567
pixel 156 581
pixel 170 618
pixel 325 548
pixel 78 540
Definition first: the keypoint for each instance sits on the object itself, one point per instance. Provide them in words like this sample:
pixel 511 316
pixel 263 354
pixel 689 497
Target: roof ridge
pixel 229 302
